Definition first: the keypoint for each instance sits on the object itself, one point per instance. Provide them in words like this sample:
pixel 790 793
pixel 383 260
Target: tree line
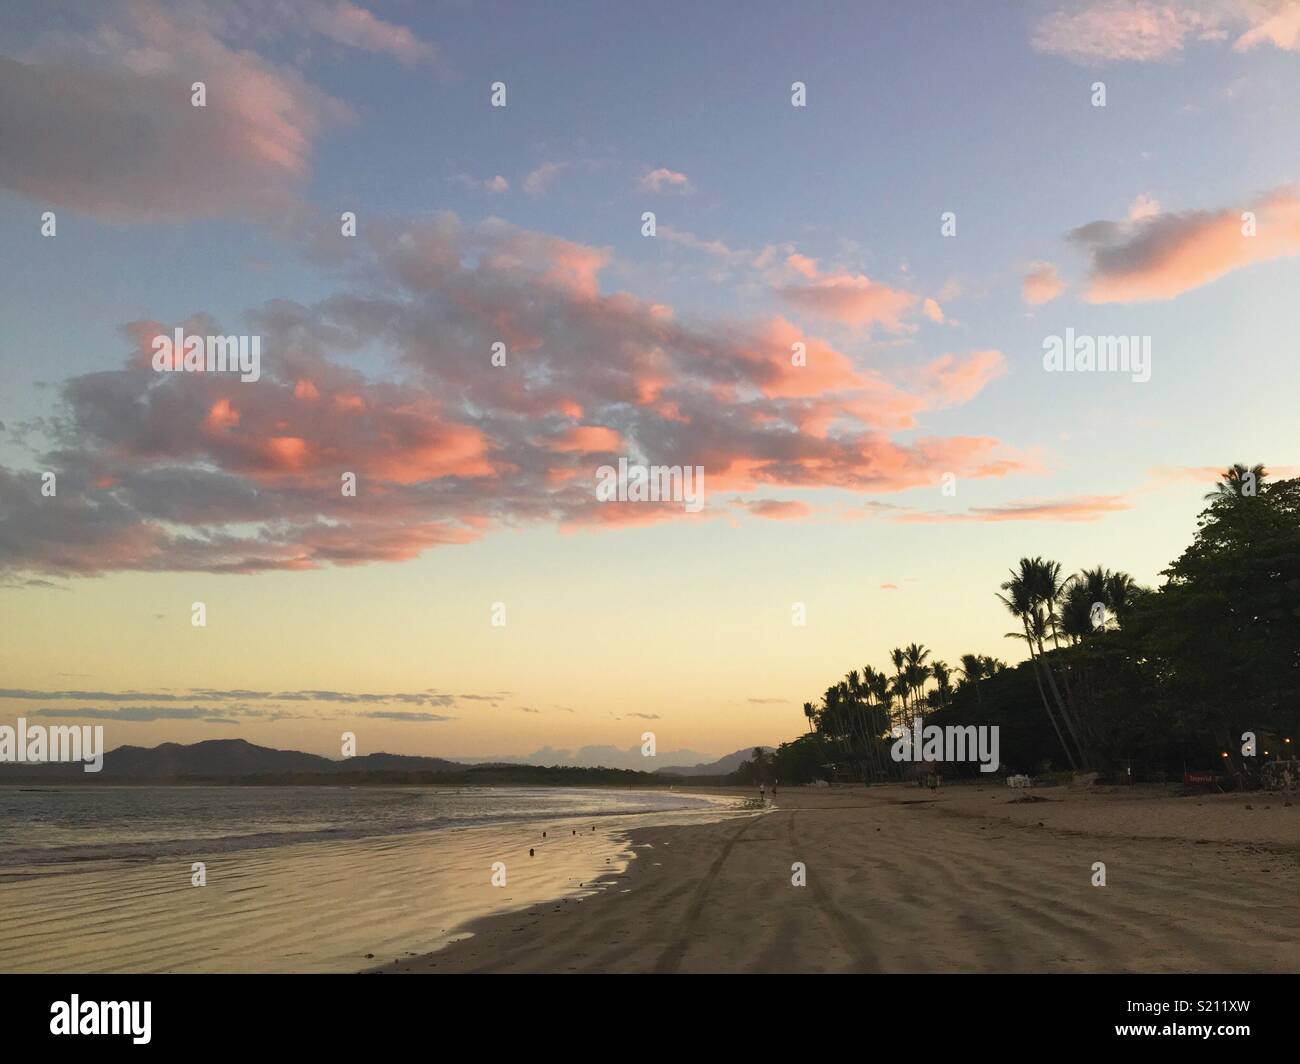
pixel 1127 681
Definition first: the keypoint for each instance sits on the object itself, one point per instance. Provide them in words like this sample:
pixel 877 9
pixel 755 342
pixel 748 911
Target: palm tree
pixel 897 660
pixel 1238 483
pixel 1042 584
pixel 1020 604
pixel 1044 581
pixel 1115 591
pixel 972 671
pixel 811 715
pixel 856 696
pixel 1122 592
pixel 1076 611
pixel 942 682
pixel 916 671
pixel 884 697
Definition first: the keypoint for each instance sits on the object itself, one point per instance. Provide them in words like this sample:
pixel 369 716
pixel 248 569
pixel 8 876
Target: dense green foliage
pixel 1119 679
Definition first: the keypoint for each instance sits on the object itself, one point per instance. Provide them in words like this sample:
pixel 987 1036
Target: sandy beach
pixel 899 880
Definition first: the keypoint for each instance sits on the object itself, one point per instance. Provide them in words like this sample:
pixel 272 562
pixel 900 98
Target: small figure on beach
pixel 762 792
pixel 530 852
pixel 932 781
pixel 774 783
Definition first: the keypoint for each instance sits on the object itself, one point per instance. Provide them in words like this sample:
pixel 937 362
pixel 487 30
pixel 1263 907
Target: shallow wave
pixel 197 834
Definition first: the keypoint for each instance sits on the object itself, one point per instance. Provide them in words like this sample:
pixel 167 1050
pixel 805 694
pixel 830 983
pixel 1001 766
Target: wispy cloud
pixel 661 181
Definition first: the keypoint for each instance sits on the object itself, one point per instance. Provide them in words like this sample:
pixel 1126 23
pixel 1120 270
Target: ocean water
pixel 298 879
pixel 44 825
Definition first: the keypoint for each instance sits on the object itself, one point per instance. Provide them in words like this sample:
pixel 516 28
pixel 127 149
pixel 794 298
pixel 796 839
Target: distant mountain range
pixel 228 758
pixel 238 759
pixel 724 766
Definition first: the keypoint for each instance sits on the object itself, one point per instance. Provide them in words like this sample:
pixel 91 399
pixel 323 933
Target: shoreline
pixel 315 906
pixel 899 880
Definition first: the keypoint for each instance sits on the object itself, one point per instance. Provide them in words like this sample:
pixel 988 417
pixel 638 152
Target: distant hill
pixel 239 761
pixel 227 759
pixel 724 766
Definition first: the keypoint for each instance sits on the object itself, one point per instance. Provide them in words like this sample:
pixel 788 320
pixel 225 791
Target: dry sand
pixel 899 880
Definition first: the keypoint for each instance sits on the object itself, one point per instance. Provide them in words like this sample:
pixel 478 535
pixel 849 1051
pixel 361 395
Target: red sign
pixel 1198 777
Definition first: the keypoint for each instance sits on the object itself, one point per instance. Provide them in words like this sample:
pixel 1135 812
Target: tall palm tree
pixel 1021 605
pixel 915 671
pixel 898 660
pixel 884 697
pixel 856 698
pixel 1042 583
pixel 875 692
pixel 811 715
pixel 1237 482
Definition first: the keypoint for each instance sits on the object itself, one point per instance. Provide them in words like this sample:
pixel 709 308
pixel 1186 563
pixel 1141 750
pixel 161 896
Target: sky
pixel 869 220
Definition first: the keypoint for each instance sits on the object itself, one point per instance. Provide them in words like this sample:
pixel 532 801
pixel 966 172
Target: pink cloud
pixel 1093 31
pixel 850 299
pixel 1104 30
pixel 1165 255
pixel 1280 28
pixel 1041 284
pixel 949 380
pixel 586 439
pixel 106 125
pixel 662 180
pixel 211 473
pixel 775 509
pixel 356 27
pixel 1081 508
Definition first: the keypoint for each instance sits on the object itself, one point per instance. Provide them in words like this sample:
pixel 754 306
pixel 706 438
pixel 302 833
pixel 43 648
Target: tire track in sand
pixel 853 936
pixel 671 957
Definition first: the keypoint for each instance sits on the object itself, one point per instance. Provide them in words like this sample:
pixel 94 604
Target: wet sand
pixel 900 880
pixel 330 906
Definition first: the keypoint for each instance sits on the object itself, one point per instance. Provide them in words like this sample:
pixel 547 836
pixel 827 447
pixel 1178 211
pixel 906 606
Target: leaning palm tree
pixel 1041 581
pixel 1021 605
pixel 1238 482
pixel 1044 581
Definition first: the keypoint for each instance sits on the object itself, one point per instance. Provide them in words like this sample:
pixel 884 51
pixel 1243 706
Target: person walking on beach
pixel 933 780
pixel 774 783
pixel 762 792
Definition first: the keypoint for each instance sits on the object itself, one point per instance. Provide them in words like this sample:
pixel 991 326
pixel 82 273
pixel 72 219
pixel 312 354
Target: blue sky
pixel 774 222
